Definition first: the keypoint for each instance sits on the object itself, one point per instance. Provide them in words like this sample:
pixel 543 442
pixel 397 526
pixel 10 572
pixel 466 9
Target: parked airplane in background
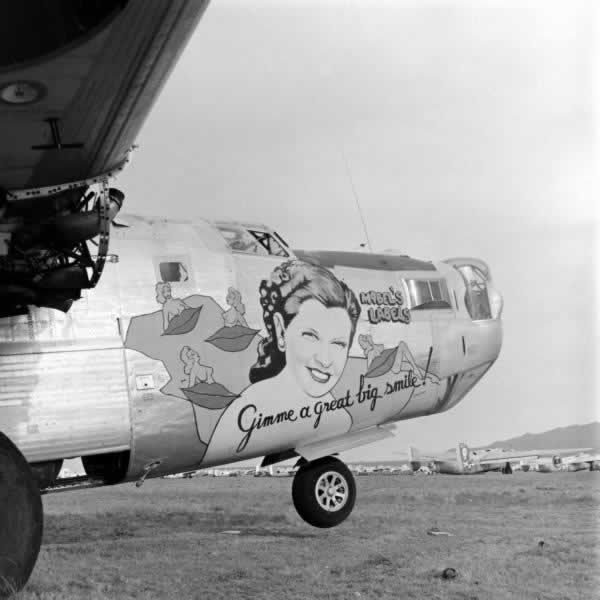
pixel 577 459
pixel 589 461
pixel 469 462
pixel 551 465
pixel 463 462
pixel 185 344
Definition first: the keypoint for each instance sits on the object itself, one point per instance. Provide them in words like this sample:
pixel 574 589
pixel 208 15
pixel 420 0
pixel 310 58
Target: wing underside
pixel 77 81
pixel 72 106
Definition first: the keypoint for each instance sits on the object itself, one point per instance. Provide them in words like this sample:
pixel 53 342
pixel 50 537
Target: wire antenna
pixel 360 212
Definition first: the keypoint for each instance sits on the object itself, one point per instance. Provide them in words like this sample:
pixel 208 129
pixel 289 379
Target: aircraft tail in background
pixel 463 455
pixel 413 458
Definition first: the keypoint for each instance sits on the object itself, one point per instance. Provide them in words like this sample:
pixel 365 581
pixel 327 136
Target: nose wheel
pixel 21 519
pixel 324 492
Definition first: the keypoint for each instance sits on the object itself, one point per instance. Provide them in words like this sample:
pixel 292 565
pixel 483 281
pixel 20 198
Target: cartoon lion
pixel 195 371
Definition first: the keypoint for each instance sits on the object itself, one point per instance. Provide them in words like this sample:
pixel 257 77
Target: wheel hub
pixel 331 491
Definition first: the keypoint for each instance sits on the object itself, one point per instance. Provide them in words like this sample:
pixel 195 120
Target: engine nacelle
pixel 46 260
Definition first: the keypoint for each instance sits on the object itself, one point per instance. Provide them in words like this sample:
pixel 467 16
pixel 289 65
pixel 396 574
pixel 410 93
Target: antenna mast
pixel 360 212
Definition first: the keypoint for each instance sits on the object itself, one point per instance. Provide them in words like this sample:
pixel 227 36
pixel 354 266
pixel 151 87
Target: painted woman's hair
pixel 291 284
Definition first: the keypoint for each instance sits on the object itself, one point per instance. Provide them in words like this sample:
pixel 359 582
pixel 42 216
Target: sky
pixel 463 128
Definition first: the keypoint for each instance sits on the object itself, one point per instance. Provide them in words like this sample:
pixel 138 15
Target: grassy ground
pixel 168 540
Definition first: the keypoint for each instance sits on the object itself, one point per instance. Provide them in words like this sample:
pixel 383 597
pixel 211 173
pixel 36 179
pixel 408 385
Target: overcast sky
pixel 469 127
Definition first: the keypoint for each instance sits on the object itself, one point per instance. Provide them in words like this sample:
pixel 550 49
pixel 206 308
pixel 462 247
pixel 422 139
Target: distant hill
pixel 573 436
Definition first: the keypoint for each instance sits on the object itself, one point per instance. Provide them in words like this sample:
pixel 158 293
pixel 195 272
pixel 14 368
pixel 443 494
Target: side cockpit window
pixel 253 241
pixel 175 268
pixel 271 242
pixel 428 294
pixel 173 271
pixel 476 294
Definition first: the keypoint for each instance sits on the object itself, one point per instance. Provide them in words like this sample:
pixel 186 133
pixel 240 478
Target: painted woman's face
pixel 316 346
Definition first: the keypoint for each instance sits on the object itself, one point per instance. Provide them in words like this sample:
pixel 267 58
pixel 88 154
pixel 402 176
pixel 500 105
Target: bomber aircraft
pixel 149 347
pixel 577 459
pixel 583 461
pixel 466 461
pixel 463 461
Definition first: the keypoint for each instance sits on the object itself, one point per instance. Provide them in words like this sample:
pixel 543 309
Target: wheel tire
pixel 326 482
pixel 21 519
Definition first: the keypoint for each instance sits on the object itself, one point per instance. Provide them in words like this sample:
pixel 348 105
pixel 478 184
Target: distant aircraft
pixel 551 465
pixel 186 345
pixel 470 462
pixel 583 461
pixel 574 460
pixel 463 462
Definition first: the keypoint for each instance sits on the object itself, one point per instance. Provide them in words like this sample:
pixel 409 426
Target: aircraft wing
pixel 513 455
pixel 77 81
pixel 581 457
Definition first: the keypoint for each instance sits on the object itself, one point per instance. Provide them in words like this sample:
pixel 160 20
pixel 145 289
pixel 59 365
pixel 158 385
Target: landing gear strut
pixel 21 519
pixel 324 492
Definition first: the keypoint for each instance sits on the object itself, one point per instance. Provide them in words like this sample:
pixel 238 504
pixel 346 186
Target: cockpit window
pixel 269 242
pixel 253 241
pixel 476 294
pixel 239 240
pixel 428 294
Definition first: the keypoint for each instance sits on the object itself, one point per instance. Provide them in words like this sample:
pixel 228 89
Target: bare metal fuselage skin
pixel 161 374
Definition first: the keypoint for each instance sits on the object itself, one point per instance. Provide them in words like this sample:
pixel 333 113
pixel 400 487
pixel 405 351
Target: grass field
pixel 167 540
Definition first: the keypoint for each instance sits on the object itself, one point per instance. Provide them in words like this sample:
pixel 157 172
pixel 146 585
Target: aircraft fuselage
pixel 151 372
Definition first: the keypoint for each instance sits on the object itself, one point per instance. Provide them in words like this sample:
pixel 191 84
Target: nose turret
pixel 482 299
pixel 481 305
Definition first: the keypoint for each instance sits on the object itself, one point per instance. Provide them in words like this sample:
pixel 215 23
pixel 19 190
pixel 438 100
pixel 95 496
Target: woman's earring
pixel 279 331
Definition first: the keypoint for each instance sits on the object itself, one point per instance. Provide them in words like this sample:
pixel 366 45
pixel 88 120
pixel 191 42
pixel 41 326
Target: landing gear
pixel 21 519
pixel 324 492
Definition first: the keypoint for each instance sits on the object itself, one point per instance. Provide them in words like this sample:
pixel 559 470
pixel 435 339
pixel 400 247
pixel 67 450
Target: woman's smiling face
pixel 316 346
